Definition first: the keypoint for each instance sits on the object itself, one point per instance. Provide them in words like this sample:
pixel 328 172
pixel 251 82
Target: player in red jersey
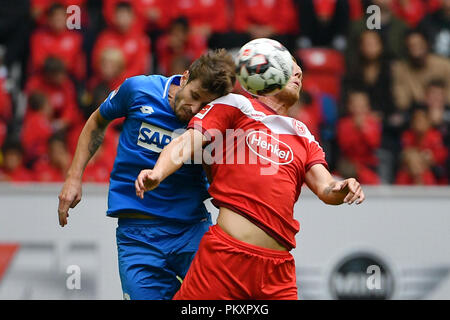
pixel 246 254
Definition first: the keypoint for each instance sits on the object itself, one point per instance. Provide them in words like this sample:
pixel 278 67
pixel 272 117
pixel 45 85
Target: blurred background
pixel 378 100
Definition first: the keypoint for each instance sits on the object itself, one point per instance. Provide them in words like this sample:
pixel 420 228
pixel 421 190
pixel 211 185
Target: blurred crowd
pixel 378 100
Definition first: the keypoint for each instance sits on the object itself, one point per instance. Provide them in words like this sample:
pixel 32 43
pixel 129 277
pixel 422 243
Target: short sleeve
pixel 316 155
pixel 117 103
pixel 213 119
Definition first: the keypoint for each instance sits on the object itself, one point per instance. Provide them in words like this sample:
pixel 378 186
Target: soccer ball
pixel 263 66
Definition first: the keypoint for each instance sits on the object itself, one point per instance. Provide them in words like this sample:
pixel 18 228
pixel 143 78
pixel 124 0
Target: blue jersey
pixel 147 128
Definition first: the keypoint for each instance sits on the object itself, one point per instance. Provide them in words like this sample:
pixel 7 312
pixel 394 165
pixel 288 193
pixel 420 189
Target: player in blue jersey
pixel 156 238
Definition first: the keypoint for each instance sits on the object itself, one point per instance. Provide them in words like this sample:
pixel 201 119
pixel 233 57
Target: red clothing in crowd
pixel 5 102
pixel 356 9
pixel 45 172
pixel 432 140
pixel 41 7
pixel 66 45
pixel 281 15
pixel 5 111
pixel 109 8
pixel 134 45
pixel 20 174
pixel 404 178
pixel 108 147
pixel 358 145
pixel 411 11
pixel 36 130
pixel 62 98
pixel 195 46
pixel 213 13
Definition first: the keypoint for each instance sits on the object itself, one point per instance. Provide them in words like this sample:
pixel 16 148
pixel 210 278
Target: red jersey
pixel 67 46
pixel 260 169
pixel 135 47
pixel 263 12
pixel 431 140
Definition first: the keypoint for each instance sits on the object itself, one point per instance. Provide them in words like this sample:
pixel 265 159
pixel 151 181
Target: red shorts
pixel 226 268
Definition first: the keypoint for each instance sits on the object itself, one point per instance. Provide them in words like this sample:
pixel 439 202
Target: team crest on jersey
pixel 269 148
pixel 299 127
pixel 202 113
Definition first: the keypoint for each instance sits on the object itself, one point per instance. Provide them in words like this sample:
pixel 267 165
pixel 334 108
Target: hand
pixel 352 189
pixel 147 180
pixel 69 197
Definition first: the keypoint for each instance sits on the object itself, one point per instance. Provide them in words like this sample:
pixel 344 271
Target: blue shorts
pixel 154 255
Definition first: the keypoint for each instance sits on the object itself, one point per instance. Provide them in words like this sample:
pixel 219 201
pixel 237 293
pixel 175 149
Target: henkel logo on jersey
pixel 154 138
pixel 269 148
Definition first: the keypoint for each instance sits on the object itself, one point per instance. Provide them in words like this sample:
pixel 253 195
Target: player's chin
pixel 290 94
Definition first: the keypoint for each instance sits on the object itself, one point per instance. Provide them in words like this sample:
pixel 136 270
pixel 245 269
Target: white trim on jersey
pixel 169 81
pixel 278 124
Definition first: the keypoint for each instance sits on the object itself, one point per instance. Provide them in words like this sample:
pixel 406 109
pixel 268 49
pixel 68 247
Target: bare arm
pixel 177 152
pixel 90 139
pixel 331 191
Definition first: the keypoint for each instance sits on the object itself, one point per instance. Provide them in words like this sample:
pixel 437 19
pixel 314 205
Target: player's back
pixel 259 162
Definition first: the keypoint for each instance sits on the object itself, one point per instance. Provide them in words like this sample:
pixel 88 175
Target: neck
pixel 275 104
pixel 173 89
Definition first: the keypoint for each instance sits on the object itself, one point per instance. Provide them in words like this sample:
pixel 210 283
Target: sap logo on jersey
pixel 269 148
pixel 154 138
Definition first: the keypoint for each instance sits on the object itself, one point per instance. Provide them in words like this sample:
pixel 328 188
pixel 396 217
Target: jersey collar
pixel 175 79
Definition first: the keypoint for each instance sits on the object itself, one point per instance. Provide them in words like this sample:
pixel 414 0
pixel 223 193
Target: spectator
pixel 155 14
pixel 5 102
pixel 204 17
pixel 57 41
pixel 257 19
pixel 37 127
pixel 427 141
pixel 438 109
pixel 436 26
pixel 133 43
pixel 109 10
pixel 39 8
pixel 412 74
pixel 179 42
pixel 414 169
pixel 359 136
pixel 372 72
pixel 323 23
pixel 111 69
pixel 59 90
pixel 392 30
pixel 13 168
pixel 54 167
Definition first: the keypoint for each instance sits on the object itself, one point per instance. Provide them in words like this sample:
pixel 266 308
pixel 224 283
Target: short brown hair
pixel 216 71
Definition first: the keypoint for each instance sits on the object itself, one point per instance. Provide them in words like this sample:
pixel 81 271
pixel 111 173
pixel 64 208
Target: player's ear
pixel 184 78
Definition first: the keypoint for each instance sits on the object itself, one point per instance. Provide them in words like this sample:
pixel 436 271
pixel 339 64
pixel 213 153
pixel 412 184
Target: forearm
pixel 331 197
pixel 178 152
pixel 90 139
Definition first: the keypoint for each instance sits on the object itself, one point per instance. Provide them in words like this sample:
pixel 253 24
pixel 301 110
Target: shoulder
pixel 232 99
pixel 142 82
pixel 439 61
